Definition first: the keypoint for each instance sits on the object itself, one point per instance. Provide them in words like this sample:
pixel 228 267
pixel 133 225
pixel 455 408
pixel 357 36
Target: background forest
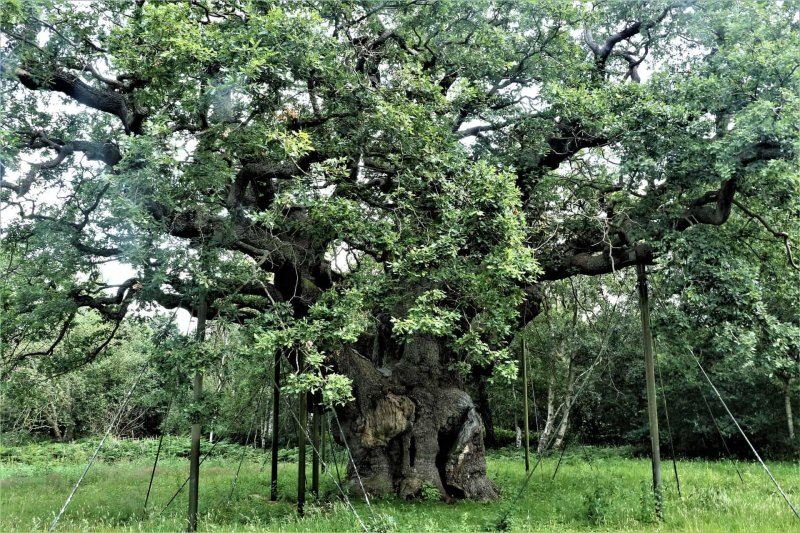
pixel 581 337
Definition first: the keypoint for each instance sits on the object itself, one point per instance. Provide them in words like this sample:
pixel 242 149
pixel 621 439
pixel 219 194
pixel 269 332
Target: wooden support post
pixel 302 424
pixel 650 376
pixel 525 428
pixel 323 428
pixel 197 393
pixel 276 408
pixel 315 443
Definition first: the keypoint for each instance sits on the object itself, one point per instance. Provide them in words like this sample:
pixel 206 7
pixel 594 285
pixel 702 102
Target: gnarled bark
pixel 411 426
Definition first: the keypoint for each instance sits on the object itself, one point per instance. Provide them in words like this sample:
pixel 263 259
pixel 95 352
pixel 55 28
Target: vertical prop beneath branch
pixel 197 393
pixel 787 403
pixel 323 419
pixel 525 429
pixel 276 407
pixel 650 376
pixel 315 443
pixel 302 424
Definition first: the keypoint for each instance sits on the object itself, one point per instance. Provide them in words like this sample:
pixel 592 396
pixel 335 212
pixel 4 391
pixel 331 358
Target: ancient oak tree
pixel 382 185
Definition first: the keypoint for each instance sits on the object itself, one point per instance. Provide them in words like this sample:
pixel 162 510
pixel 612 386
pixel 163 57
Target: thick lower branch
pixel 112 307
pixel 106 100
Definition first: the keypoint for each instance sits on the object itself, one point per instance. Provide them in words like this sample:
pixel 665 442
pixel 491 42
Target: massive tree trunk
pixel 411 426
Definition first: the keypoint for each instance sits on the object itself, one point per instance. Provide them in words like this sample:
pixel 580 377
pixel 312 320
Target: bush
pixel 508 437
pixel 116 450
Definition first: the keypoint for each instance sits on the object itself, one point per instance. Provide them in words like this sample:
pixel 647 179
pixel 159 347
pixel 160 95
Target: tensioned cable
pixel 333 452
pixel 206 455
pixel 114 421
pixel 565 442
pixel 669 428
pixel 158 453
pixel 352 461
pixel 327 470
pixel 564 439
pixel 548 443
pixel 305 430
pixel 659 303
pixel 664 401
pixel 719 431
pixel 244 449
pixel 752 448
pixel 535 408
pixel 338 485
pixel 202 460
pixel 587 374
pixel 560 457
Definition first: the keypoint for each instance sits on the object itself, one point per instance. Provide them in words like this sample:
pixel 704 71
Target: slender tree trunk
pixel 52 420
pixel 323 426
pixel 218 389
pixel 69 430
pixel 569 397
pixel 544 436
pixel 265 424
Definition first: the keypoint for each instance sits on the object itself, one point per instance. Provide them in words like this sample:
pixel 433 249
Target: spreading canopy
pixel 346 165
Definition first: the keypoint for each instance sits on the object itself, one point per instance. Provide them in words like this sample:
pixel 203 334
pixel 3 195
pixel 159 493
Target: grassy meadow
pixel 595 489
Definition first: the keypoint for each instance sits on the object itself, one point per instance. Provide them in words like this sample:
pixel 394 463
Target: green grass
pixel 610 493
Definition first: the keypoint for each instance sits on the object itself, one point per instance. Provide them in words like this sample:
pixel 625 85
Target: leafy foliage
pixel 331 172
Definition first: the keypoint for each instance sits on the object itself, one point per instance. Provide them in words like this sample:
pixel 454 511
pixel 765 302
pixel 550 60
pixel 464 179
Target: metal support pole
pixel 650 376
pixel 197 393
pixel 276 403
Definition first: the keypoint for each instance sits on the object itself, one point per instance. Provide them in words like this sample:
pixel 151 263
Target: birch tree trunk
pixel 544 436
pixel 569 397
